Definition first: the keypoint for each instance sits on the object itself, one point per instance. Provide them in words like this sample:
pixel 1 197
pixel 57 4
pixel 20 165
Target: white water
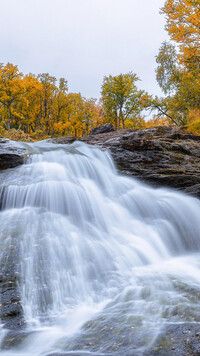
pixel 105 261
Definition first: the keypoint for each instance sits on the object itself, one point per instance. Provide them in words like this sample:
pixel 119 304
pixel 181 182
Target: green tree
pixel 120 97
pixel 167 71
pixel 181 86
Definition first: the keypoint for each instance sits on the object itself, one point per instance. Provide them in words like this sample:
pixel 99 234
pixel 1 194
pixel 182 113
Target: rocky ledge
pixel 161 156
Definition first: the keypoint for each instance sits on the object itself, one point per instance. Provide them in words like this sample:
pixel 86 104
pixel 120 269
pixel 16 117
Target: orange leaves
pixel 178 72
pixel 194 121
pixel 41 108
pixel 157 121
pixel 12 90
pixel 183 26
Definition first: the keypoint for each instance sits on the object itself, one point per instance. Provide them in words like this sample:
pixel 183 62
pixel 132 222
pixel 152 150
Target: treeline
pixel 41 106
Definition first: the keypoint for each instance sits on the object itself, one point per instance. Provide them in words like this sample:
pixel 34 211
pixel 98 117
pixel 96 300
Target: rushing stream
pixel 104 261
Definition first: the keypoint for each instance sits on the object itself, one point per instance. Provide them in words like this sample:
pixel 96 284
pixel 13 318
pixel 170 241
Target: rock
pixel 10 155
pixel 161 156
pixel 10 161
pixel 176 339
pixel 102 129
pixel 10 309
pixel 63 140
pixel 11 313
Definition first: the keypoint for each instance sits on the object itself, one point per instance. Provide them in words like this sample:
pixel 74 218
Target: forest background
pixel 35 107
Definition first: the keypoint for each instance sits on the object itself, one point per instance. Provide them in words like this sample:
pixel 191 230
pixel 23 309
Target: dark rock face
pixel 10 161
pixel 102 129
pixel 10 156
pixel 11 313
pixel 161 156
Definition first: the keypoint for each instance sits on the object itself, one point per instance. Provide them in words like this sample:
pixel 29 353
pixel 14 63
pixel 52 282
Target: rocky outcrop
pixel 162 156
pixel 10 155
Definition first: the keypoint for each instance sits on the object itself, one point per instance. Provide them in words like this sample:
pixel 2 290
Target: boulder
pixel 102 129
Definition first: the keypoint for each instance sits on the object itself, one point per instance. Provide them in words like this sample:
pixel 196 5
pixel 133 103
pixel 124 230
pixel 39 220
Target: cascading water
pixel 105 261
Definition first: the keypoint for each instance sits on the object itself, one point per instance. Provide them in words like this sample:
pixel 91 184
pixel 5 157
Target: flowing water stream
pixel 105 262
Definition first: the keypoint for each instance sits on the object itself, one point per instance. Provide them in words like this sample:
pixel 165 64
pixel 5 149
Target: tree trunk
pixel 9 119
pixel 120 117
pixel 116 122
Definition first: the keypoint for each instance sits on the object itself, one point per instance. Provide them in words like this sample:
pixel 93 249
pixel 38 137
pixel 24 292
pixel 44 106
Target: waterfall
pixel 104 260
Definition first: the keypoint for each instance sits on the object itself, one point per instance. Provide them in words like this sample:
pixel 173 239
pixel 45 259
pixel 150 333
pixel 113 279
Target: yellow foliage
pixel 194 122
pixel 135 123
pixel 183 26
pixel 17 135
pixel 41 109
pixel 157 121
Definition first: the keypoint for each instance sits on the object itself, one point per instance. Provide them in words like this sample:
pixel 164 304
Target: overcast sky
pixel 83 40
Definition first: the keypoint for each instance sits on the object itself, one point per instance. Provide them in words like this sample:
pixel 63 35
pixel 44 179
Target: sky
pixel 83 40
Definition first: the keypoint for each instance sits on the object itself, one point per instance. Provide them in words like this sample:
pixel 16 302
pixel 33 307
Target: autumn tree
pixel 178 71
pixel 169 75
pixel 12 90
pixel 60 103
pixel 183 26
pixel 30 107
pixel 120 97
pixel 46 100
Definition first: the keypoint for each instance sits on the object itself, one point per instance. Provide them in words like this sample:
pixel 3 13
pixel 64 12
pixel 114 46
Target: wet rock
pixel 102 129
pixel 11 313
pixel 14 338
pixel 10 309
pixel 10 155
pixel 63 140
pixel 161 156
pixel 177 339
pixel 10 161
